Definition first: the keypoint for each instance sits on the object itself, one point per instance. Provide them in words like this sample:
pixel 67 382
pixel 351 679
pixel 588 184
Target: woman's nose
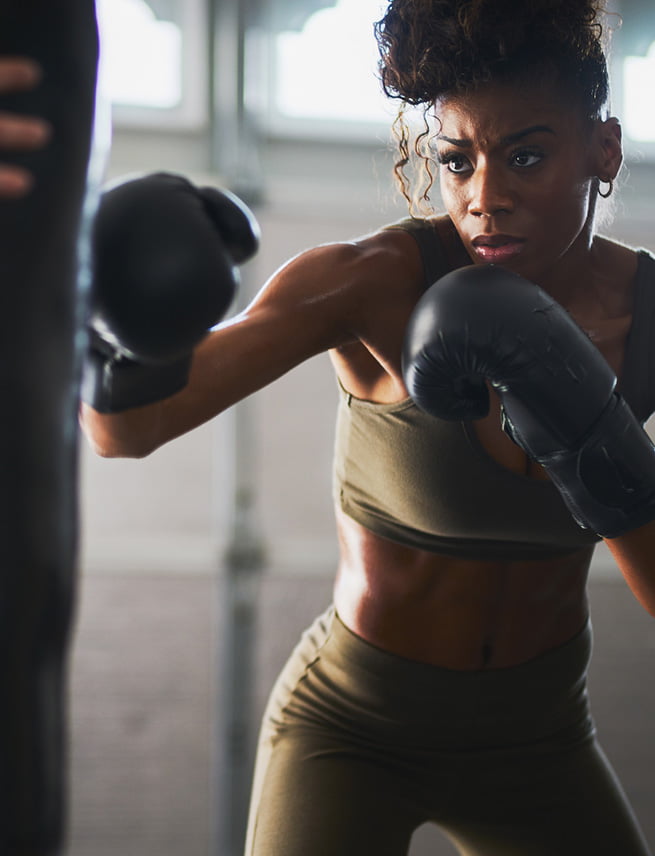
pixel 490 194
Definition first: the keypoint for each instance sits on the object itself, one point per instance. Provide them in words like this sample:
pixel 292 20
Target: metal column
pixel 235 158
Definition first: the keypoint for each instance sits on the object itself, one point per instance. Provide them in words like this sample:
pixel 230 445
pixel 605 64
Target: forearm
pixel 135 432
pixel 130 434
pixel 215 382
pixel 634 553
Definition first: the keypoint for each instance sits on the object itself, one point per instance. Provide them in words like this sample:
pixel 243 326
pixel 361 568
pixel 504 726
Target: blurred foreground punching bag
pixel 41 313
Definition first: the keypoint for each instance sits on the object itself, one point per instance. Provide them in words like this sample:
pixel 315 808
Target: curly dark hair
pixel 435 48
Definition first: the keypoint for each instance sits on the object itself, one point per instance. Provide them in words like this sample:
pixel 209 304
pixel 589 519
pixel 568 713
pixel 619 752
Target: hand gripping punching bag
pixel 41 340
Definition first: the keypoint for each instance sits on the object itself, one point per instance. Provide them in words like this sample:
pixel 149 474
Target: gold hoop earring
pixel 609 190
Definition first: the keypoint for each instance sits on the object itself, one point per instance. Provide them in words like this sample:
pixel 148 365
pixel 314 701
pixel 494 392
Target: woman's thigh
pixel 313 796
pixel 359 748
pixel 567 805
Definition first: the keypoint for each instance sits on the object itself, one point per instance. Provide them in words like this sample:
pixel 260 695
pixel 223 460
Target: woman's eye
pixel 455 163
pixel 526 158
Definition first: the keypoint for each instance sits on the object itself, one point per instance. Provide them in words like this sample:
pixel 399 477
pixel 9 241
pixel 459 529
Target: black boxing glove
pixel 558 394
pixel 165 256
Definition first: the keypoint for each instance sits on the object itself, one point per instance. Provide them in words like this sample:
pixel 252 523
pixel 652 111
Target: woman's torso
pixel 461 613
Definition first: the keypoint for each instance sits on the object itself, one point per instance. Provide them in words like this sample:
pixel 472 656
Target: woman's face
pixel 516 172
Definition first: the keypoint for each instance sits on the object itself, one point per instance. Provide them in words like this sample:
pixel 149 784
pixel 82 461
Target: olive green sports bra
pixel 430 484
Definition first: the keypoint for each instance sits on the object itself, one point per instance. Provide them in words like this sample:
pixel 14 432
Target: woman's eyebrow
pixel 508 140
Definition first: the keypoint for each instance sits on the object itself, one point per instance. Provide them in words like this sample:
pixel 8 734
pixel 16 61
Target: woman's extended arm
pixel 307 307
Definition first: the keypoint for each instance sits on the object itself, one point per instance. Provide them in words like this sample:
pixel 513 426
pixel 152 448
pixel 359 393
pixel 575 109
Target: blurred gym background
pixel 212 555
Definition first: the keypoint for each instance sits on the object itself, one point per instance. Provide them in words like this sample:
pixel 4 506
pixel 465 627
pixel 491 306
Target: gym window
pixel 638 88
pixel 154 61
pixel 633 72
pixel 322 75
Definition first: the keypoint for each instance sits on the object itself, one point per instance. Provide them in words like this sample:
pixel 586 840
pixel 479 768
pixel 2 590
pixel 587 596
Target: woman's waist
pixel 338 680
pixel 460 614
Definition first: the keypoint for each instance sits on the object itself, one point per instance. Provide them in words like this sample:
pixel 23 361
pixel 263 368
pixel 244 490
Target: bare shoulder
pixel 352 279
pixel 351 298
pixel 386 253
pixel 618 260
pixel 614 271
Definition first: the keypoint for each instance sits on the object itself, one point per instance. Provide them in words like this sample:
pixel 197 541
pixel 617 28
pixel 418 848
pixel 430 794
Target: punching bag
pixel 41 316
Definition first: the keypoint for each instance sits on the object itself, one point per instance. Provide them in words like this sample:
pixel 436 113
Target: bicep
pixel 290 321
pixel 240 358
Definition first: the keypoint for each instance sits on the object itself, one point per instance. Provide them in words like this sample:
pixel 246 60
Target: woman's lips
pixel 497 249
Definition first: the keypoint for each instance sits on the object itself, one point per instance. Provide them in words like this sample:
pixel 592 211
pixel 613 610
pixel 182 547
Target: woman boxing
pixel 447 682
pixel 19 132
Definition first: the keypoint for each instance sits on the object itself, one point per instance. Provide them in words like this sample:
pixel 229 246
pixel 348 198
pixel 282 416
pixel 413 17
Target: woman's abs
pixel 456 613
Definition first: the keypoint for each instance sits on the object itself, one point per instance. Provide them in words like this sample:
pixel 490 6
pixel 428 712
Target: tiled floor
pixel 145 696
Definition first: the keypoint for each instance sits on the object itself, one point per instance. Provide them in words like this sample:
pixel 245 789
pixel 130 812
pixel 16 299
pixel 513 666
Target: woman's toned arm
pixel 309 306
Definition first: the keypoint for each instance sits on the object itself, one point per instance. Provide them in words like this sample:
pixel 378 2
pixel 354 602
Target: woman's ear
pixel 608 148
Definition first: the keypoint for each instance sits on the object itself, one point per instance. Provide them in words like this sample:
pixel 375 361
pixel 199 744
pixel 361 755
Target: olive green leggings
pixel 360 747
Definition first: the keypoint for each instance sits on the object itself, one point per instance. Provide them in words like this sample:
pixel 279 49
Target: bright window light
pixel 141 62
pixel 639 85
pixel 328 71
